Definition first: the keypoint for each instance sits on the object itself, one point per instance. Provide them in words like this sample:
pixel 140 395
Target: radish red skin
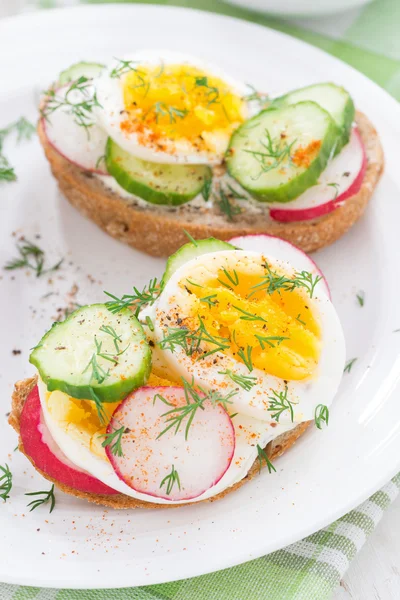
pixel 143 399
pixel 236 241
pixel 306 214
pixel 37 440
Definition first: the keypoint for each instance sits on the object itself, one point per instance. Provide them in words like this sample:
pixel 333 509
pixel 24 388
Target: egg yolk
pixel 180 102
pixel 275 332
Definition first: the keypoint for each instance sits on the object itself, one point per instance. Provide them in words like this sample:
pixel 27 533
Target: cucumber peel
pixel 192 250
pixel 94 355
pixel 165 184
pixel 80 69
pixel 281 152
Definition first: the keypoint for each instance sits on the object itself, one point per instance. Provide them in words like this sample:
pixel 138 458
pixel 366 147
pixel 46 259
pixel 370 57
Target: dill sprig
pixel 212 92
pixel 123 67
pixel 195 397
pixel 206 191
pixel 138 300
pixel 47 497
pixel 349 365
pixel 273 282
pixel 336 187
pixel 262 455
pixel 190 238
pixel 235 193
pixel 361 297
pixel 210 300
pixel 80 108
pixel 307 280
pixel 248 316
pixel 321 415
pixel 225 205
pixel 191 341
pixel 31 257
pixel 279 403
pixel 7 172
pixel 5 482
pixel 271 340
pixel 114 440
pixel 170 480
pixel 24 130
pixel 111 331
pixel 232 277
pixel 244 381
pixel 162 109
pixel 255 96
pixel 190 282
pixel 98 373
pixel 274 153
pixel 245 355
pixel 149 323
pixel 99 405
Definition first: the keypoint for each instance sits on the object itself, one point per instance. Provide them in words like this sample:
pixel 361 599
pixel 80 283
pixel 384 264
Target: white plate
pixel 327 473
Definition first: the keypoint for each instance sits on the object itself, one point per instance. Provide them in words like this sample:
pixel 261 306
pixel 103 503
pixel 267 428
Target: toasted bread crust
pixel 160 232
pixel 274 449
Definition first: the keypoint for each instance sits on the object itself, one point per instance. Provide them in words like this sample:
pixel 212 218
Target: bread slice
pixel 274 449
pixel 159 231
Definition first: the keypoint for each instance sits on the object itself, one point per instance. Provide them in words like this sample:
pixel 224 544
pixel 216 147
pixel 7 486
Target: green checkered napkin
pixel 312 568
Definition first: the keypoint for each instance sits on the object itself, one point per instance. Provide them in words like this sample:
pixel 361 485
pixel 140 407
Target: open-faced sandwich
pixel 181 392
pixel 160 142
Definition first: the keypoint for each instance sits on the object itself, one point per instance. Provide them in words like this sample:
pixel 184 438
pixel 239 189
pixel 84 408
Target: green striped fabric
pixel 312 568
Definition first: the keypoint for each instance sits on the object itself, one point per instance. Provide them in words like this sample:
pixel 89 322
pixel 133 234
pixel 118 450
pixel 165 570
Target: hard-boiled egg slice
pixel 170 107
pixel 219 322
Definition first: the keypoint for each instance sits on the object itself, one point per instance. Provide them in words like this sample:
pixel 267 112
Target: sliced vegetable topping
pixel 69 125
pixel 280 153
pixel 178 441
pixel 94 355
pixel 80 69
pixel 156 183
pixel 341 180
pixel 192 250
pixel 332 98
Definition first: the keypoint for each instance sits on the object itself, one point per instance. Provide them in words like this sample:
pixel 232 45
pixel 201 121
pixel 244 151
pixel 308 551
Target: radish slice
pixel 84 147
pixel 149 462
pixel 47 456
pixel 277 248
pixel 341 179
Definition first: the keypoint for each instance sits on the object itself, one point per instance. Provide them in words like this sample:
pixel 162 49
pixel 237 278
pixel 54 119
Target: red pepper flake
pixel 303 157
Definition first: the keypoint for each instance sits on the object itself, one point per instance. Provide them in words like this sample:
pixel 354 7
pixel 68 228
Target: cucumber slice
pixel 81 69
pixel 94 355
pixel 332 98
pixel 156 183
pixel 191 250
pixel 280 153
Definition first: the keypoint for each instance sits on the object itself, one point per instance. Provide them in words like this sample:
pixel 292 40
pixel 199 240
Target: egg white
pixel 248 433
pixel 111 113
pixel 306 394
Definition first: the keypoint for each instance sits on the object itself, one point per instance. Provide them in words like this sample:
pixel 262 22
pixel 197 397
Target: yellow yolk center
pixel 180 102
pixel 276 332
